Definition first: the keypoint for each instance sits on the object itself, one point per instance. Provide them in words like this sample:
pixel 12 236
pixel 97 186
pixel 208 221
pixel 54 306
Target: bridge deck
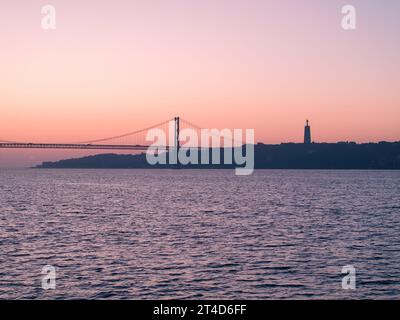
pixel 9 145
pixel 75 146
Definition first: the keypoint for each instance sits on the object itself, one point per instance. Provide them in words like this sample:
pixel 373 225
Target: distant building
pixel 307 134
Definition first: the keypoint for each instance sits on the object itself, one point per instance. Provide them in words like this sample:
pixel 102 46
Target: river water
pixel 199 234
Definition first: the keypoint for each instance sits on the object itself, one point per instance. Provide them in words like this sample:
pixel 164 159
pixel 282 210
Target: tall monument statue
pixel 307 133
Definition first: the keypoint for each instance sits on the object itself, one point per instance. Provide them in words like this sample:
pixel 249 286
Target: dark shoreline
pixel 315 156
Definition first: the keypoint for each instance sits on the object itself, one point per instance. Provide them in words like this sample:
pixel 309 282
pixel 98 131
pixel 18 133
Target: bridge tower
pixel 176 142
pixel 307 133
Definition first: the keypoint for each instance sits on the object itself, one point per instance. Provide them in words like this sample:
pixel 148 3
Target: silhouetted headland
pixel 342 155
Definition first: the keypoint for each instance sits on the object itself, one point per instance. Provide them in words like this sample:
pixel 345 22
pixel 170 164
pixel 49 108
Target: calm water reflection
pixel 199 234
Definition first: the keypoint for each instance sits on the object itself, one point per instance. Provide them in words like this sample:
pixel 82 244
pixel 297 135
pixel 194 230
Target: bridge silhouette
pixel 135 140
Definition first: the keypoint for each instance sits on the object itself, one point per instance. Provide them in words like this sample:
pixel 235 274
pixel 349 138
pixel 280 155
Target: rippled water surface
pixel 141 234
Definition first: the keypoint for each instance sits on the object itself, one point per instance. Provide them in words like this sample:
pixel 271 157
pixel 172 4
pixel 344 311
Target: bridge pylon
pixel 176 140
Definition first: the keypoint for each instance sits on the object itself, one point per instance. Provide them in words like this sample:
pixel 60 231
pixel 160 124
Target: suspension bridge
pixel 135 140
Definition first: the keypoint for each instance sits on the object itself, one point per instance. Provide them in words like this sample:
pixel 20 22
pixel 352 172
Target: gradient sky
pixel 114 66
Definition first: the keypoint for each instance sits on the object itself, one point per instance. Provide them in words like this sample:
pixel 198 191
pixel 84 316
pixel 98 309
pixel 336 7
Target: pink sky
pixel 111 67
